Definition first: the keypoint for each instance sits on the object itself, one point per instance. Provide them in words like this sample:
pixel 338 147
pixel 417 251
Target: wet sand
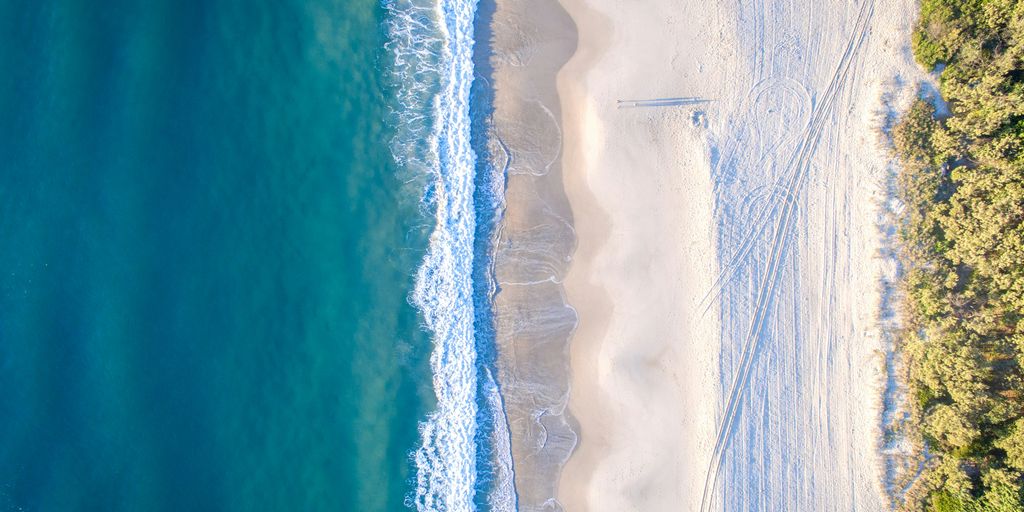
pixel 531 40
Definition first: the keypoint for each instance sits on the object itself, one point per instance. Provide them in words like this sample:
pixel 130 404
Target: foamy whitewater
pixel 431 42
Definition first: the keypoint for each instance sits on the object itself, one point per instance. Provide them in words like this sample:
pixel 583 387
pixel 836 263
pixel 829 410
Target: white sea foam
pixel 432 46
pixel 503 494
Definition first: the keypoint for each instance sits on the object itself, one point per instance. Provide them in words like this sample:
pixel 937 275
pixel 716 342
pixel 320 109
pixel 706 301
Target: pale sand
pixel 726 277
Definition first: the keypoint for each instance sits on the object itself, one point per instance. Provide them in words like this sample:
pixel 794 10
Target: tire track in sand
pixel 800 163
pixel 776 189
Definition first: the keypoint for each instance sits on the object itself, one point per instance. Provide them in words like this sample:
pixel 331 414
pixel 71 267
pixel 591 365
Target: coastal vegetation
pixel 962 248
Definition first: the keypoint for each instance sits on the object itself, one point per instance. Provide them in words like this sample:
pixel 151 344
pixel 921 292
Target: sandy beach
pixel 725 167
pixel 530 40
pixel 639 181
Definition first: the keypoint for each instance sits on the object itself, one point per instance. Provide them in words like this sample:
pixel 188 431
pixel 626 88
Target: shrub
pixel 962 243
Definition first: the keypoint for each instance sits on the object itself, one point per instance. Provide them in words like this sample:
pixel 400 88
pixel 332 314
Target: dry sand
pixel 726 276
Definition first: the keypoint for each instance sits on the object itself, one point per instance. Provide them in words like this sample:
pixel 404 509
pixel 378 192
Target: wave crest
pixel 431 43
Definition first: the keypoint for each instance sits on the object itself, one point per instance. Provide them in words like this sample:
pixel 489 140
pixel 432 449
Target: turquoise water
pixel 206 256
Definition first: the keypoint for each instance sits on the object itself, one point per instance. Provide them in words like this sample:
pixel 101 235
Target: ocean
pixel 244 262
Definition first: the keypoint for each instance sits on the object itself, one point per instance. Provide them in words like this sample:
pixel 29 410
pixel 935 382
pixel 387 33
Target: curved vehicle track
pixel 781 211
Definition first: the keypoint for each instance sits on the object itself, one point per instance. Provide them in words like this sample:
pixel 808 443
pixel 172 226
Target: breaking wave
pixel 464 448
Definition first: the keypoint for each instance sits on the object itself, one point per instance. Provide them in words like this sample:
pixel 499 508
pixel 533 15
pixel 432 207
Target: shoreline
pixel 530 41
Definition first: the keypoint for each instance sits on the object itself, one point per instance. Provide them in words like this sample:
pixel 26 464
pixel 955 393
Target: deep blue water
pixel 206 256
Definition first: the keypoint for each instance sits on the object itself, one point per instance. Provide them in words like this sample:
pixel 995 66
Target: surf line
pixel 432 44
